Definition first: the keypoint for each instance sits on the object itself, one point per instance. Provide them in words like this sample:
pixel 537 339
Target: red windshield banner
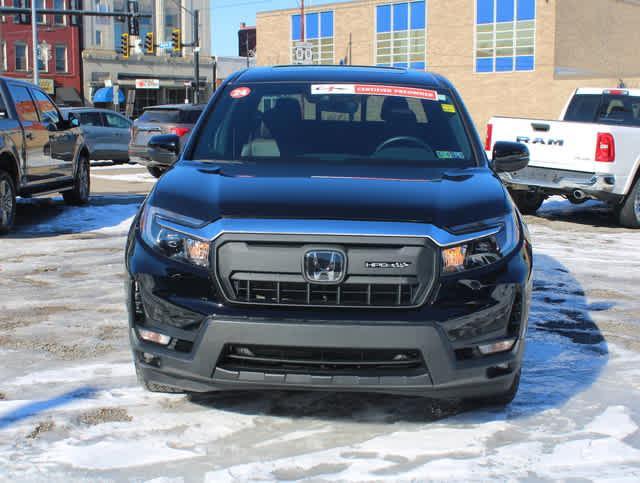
pixel 375 90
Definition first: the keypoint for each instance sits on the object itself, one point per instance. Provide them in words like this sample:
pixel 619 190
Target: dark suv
pixel 41 152
pixel 332 228
pixel 177 119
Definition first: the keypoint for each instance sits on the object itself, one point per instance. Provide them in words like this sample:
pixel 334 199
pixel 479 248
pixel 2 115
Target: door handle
pixel 28 135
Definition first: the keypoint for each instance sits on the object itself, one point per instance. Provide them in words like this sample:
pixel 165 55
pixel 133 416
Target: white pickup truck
pixel 593 152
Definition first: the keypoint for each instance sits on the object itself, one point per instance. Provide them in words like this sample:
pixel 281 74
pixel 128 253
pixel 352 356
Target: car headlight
pixel 170 243
pixel 483 251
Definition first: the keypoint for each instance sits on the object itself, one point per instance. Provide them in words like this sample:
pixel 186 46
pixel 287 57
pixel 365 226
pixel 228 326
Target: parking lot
pixel 71 408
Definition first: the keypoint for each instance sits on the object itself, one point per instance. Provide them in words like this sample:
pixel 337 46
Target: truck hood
pixel 445 198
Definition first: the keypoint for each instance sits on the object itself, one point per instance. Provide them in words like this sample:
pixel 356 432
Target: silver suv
pixel 106 132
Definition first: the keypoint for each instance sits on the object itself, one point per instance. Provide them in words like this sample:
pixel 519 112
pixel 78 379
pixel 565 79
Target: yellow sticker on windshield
pixel 448 108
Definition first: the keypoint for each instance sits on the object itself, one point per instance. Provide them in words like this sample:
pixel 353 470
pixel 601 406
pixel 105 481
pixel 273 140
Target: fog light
pixel 495 347
pixel 155 337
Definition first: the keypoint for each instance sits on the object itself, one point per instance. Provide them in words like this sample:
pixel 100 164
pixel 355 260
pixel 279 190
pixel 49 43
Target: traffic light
pixel 124 45
pixel 176 40
pixel 149 45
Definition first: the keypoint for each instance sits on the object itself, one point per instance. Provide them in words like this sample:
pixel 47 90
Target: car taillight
pixel 179 131
pixel 605 148
pixel 488 139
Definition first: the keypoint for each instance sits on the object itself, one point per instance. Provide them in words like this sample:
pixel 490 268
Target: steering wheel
pixel 399 139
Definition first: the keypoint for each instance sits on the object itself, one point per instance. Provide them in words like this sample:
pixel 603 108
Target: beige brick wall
pixel 450 50
pixel 598 38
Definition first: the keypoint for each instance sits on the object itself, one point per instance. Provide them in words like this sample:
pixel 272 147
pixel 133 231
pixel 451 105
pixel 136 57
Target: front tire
pixel 528 202
pixel 80 193
pixel 7 202
pixel 155 172
pixel 629 212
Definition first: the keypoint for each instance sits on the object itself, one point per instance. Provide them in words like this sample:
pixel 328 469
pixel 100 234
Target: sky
pixel 226 16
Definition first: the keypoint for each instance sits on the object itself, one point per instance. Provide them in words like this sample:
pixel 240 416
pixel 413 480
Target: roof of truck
pixel 341 73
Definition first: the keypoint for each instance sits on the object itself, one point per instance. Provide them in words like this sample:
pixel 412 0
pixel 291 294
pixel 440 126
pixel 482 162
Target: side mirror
pixel 165 142
pixel 164 148
pixel 509 157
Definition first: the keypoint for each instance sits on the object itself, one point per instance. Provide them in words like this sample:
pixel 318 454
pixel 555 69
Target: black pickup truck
pixel 40 151
pixel 332 228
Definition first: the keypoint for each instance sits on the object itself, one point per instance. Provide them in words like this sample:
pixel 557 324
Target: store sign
pixel 47 86
pixel 147 83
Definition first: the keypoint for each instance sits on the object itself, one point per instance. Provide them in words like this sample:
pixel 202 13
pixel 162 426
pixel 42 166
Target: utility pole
pixel 34 41
pixel 196 56
pixel 350 51
pixel 302 20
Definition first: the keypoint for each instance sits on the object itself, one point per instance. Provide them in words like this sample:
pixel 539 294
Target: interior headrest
pixel 396 108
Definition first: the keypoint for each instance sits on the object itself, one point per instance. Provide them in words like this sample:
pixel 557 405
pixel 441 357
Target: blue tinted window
pixel 524 62
pixel 418 65
pixel 485 11
pixel 326 24
pixel 383 22
pixel 526 9
pixel 484 65
pixel 402 65
pixel 295 27
pixel 417 15
pixel 505 11
pixel 400 16
pixel 311 26
pixel 504 64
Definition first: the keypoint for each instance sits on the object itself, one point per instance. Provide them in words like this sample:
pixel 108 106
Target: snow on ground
pixel 71 410
pixel 133 177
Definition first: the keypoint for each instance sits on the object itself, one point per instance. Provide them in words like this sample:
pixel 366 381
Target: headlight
pixel 170 243
pixel 483 251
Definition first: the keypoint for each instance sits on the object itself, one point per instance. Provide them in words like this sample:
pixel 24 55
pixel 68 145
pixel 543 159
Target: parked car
pixel 332 228
pixel 40 151
pixel 106 133
pixel 593 152
pixel 177 119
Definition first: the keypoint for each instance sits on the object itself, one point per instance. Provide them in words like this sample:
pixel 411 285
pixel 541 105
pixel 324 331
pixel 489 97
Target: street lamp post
pixel 195 14
pixel 34 43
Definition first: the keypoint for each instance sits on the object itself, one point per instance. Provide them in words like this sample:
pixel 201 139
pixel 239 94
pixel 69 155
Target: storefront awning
pixel 105 94
pixel 68 96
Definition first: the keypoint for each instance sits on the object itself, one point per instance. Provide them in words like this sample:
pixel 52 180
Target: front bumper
pixel 492 305
pixel 563 182
pixel 445 378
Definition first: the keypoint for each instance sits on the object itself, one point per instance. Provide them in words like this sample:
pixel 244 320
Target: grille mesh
pixel 303 293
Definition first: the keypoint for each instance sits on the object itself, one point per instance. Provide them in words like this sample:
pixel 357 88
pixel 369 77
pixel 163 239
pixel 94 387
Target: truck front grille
pixel 309 360
pixel 303 293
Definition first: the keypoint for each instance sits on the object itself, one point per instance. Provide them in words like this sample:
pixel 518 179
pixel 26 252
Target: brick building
pixel 507 57
pixel 60 74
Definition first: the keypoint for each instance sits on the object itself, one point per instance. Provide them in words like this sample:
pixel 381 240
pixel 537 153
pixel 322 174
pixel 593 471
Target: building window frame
pixel 65 58
pixel 414 35
pixel 41 19
pixel 3 56
pixel 26 56
pixel 523 39
pixel 320 41
pixel 60 19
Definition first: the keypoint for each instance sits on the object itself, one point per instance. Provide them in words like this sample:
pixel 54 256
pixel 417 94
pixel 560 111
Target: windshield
pixel 160 115
pixel 341 123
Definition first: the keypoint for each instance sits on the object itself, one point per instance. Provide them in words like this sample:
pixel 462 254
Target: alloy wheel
pixel 6 202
